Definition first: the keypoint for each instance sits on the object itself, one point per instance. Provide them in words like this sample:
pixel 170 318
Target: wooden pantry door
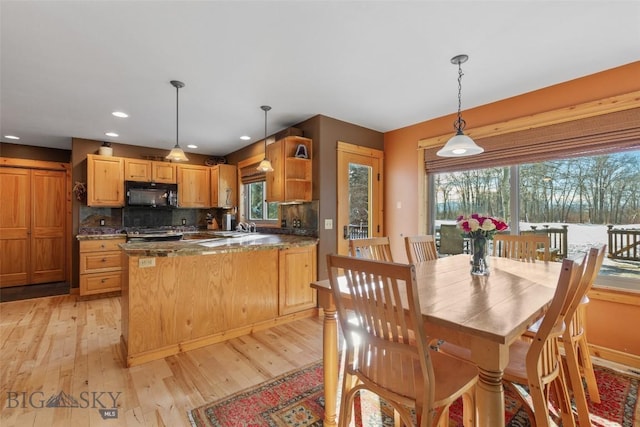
pixel 32 226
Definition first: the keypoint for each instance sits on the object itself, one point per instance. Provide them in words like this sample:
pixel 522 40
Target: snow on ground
pixel 583 236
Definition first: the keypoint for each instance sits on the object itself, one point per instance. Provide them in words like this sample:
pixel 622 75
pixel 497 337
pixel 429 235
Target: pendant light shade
pixel 460 144
pixel 265 164
pixel 176 154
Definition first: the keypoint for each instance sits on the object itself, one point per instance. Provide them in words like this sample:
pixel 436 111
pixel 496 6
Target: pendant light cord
pixel 459 124
pixel 177 117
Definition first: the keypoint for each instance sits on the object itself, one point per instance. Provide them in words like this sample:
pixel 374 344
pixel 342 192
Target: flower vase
pixel 479 256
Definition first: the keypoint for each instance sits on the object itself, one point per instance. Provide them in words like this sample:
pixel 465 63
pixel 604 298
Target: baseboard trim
pixel 617 356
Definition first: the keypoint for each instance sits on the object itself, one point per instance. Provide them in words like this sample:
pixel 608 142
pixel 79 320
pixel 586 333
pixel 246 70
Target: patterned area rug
pixel 297 399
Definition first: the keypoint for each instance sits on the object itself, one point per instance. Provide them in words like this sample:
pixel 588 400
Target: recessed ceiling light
pixel 11 137
pixel 192 146
pixel 112 134
pixel 120 114
pixel 245 137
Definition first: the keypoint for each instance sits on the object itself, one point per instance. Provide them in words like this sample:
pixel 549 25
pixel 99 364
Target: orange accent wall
pixel 615 331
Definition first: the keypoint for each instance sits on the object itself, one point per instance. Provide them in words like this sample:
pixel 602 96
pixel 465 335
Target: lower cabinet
pixel 297 269
pixel 100 266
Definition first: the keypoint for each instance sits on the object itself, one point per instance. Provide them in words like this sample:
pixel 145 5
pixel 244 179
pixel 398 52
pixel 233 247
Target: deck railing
pixel 356 231
pixel 624 243
pixel 558 239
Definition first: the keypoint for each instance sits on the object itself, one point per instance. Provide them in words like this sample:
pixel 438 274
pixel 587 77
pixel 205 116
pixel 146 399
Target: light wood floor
pixel 57 344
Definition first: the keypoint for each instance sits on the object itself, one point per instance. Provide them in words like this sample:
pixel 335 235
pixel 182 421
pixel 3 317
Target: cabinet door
pixel 194 186
pixel 275 179
pixel 48 226
pixel 137 170
pixel 163 172
pixel 224 186
pixel 15 223
pixel 105 181
pixel 296 272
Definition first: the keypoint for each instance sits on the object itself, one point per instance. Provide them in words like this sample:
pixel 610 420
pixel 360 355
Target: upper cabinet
pixel 194 186
pixel 224 186
pixel 164 172
pixel 290 181
pixel 105 181
pixel 137 170
pixel 147 170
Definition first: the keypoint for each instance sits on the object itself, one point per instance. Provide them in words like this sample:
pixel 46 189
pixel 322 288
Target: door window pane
pixel 359 201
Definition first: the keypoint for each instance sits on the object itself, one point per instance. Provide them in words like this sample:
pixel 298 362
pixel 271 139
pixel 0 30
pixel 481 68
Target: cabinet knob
pixel 103 281
pixel 102 246
pixel 103 260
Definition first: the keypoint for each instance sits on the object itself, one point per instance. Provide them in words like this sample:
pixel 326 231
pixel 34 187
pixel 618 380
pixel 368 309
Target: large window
pixel 257 209
pixel 596 199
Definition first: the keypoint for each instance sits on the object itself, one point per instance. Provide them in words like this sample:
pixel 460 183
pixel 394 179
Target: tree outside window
pixel 257 208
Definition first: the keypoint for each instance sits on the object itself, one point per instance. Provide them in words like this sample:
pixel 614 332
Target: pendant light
pixel 460 144
pixel 265 164
pixel 176 154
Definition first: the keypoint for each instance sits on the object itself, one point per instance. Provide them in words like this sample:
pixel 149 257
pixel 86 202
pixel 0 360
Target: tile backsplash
pixel 295 219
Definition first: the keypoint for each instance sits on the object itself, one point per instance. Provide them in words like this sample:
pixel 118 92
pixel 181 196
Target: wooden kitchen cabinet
pixel 297 269
pixel 149 171
pixel 163 172
pixel 105 181
pixel 194 186
pixel 224 186
pixel 100 266
pixel 137 170
pixel 291 179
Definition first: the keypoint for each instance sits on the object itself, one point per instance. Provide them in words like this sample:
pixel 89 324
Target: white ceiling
pixel 66 65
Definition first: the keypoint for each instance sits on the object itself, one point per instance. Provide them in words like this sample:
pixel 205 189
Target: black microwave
pixel 151 194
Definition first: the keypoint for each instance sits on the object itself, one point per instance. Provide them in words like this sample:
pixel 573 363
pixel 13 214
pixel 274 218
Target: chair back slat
pixel 421 248
pixel 381 331
pixel 523 247
pixel 375 248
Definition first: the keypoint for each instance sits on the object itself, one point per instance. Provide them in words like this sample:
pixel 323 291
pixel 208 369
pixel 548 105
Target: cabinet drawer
pixel 99 283
pixel 100 245
pixel 95 262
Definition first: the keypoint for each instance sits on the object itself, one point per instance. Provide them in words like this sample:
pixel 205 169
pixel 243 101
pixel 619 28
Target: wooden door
pixel 47 226
pixel 32 226
pixel 15 226
pixel 359 200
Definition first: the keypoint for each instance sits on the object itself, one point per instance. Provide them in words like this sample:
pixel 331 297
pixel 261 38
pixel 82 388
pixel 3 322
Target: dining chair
pixel 538 363
pixel 376 248
pixel 421 248
pixel 386 348
pixel 451 240
pixel 574 339
pixel 523 247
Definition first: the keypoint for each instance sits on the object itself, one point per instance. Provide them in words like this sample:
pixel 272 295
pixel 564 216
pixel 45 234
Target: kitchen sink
pixel 200 236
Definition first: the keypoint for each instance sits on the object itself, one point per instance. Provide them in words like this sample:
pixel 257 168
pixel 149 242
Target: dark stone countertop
pixel 217 245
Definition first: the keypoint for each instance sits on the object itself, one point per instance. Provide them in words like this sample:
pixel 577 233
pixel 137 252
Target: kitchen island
pixel 182 295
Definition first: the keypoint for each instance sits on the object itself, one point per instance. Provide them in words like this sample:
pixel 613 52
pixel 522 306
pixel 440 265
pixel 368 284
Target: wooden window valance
pixel 249 174
pixel 601 134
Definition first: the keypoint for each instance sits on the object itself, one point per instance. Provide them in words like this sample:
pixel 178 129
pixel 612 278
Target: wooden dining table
pixel 482 313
